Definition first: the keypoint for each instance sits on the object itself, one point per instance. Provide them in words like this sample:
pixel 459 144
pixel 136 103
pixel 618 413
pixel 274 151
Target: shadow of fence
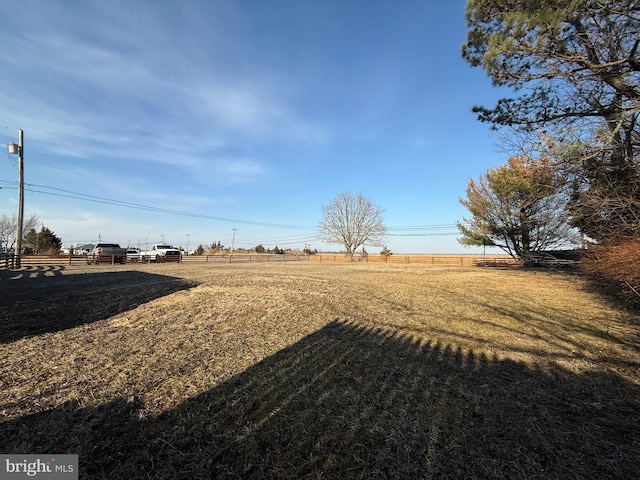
pixel 354 402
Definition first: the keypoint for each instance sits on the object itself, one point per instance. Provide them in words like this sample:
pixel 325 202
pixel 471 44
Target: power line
pixel 109 201
pixel 440 234
pixel 424 227
pixel 280 242
pixel 397 231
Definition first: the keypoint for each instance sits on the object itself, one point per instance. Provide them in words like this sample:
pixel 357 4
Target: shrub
pixel 619 262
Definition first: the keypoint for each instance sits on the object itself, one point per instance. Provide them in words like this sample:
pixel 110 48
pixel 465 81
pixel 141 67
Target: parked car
pixel 107 252
pixel 162 253
pixel 133 254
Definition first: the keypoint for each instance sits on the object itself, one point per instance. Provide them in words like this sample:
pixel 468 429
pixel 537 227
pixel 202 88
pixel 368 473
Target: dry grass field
pixel 323 371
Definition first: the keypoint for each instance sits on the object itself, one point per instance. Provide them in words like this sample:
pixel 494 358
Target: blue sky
pixel 246 115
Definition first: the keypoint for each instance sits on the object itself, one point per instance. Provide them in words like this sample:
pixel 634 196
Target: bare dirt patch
pixel 318 371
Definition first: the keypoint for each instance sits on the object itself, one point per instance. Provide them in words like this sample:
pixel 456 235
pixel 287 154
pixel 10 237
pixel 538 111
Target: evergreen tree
pixel 516 207
pixel 575 65
pixel 44 241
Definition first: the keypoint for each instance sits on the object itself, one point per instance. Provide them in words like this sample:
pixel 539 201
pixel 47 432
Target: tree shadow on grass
pixel 351 402
pixel 615 293
pixel 38 301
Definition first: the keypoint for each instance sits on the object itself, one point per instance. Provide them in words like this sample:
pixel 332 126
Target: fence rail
pixel 461 260
pixel 8 262
pixel 246 258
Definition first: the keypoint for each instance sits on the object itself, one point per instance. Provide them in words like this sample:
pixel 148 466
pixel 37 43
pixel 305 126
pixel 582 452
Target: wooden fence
pixel 459 260
pixel 8 262
pixel 246 258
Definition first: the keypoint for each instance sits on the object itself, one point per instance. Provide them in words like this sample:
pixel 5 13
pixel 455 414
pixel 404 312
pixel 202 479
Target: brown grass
pixel 318 371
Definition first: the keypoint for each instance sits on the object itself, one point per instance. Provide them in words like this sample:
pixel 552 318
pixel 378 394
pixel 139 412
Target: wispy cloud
pixel 114 95
pixel 235 170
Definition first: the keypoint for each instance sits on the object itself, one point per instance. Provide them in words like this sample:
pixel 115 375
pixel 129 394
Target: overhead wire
pixel 395 231
pixel 424 230
pixel 121 203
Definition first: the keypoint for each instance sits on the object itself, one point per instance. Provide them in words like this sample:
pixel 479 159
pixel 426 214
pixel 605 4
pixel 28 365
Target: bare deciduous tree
pixel 352 221
pixel 8 224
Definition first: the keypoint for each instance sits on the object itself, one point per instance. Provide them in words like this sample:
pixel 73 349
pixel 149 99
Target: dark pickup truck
pixel 107 253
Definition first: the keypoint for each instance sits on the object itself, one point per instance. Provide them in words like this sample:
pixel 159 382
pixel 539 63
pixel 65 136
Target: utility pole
pixel 20 152
pixel 233 239
pixel 38 238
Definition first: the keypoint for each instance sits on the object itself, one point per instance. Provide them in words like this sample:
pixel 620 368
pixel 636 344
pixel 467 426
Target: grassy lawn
pixel 319 371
